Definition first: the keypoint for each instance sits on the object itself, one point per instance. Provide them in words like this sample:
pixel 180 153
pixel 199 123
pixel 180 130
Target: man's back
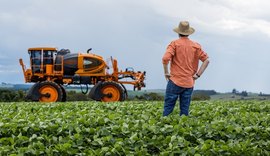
pixel 184 55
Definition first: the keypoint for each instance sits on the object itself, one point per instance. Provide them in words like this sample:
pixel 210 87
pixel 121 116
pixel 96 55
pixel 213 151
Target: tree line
pixel 11 95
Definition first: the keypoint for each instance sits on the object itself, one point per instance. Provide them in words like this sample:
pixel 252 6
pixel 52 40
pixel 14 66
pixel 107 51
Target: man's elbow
pixel 165 61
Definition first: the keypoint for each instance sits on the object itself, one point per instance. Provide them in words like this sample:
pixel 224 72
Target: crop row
pixel 134 128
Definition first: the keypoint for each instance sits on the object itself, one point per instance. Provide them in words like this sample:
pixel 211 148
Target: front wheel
pixel 50 92
pixel 64 97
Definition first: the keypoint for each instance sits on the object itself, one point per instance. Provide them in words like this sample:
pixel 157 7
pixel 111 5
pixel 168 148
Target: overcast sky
pixel 234 33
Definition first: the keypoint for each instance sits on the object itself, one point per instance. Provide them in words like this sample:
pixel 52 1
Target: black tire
pixel 33 94
pixel 125 92
pixel 93 94
pixel 64 98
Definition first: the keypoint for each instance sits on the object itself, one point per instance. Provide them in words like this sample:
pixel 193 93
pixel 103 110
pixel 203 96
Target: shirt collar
pixel 184 38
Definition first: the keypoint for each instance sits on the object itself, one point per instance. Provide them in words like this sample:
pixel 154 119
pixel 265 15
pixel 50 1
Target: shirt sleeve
pixel 203 55
pixel 170 51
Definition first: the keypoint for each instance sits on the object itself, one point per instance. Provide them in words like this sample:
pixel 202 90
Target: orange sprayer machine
pixel 50 69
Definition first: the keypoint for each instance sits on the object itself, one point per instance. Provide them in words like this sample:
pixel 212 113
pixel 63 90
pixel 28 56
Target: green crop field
pixel 135 128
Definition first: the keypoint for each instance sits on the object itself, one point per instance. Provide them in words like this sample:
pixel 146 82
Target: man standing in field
pixel 183 55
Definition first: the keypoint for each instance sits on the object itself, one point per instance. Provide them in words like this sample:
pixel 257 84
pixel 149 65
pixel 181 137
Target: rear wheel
pixel 112 92
pixel 107 92
pixel 50 92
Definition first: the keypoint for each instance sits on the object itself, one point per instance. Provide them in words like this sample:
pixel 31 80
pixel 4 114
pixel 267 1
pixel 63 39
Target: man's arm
pixel 167 58
pixel 202 69
pixel 166 71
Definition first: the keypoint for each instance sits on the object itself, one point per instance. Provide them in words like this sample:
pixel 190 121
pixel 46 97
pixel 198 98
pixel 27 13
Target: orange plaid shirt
pixel 183 55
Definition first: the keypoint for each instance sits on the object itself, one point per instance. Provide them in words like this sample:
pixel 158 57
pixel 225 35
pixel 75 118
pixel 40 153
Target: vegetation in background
pixel 243 93
pixel 200 97
pixel 77 96
pixel 8 95
pixel 148 97
pixel 74 94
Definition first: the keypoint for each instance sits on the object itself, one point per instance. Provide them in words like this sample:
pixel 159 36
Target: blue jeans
pixel 172 93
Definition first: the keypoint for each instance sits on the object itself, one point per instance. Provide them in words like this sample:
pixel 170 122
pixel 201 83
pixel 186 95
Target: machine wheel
pixel 33 94
pixel 50 92
pixel 94 92
pixel 111 92
pixel 64 98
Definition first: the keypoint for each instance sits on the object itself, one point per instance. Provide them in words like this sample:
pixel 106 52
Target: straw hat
pixel 184 28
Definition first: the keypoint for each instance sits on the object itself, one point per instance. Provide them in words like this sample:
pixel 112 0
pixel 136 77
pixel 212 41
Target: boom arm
pixel 27 73
pixel 23 68
pixel 137 77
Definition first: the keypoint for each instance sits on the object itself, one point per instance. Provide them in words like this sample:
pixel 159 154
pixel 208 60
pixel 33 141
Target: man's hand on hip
pixel 195 76
pixel 167 76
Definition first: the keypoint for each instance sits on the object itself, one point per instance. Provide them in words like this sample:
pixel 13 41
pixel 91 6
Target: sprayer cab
pixel 42 60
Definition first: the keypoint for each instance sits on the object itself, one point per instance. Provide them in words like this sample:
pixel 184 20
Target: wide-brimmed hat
pixel 184 28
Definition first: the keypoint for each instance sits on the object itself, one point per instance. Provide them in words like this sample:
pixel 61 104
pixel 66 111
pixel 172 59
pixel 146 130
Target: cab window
pixel 36 57
pixel 48 57
pixel 90 63
pixel 35 60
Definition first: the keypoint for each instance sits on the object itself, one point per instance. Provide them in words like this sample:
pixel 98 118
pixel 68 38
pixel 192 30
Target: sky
pixel 234 33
